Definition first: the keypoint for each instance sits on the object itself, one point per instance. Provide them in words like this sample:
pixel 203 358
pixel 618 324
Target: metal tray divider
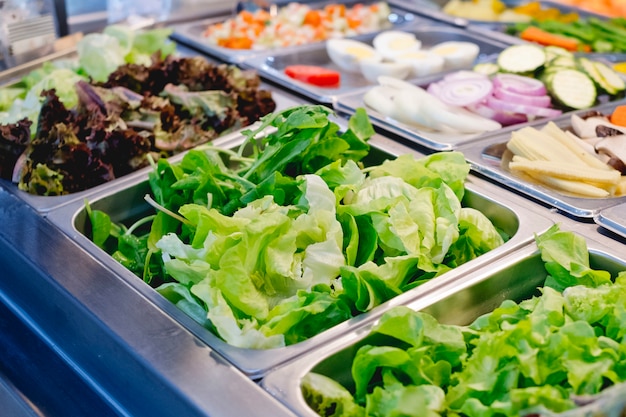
pixel 613 219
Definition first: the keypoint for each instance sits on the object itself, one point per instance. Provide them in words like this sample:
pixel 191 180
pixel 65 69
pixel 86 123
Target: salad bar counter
pixel 398 213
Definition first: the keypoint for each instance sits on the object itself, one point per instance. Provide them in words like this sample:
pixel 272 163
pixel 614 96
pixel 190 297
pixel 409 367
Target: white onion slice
pixel 460 119
pixel 380 98
pixel 501 105
pixel 519 84
pixel 425 109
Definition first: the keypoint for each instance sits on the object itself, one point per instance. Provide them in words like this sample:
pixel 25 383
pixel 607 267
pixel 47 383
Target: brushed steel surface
pixel 613 219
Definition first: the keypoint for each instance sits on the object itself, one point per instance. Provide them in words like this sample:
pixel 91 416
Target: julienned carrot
pixel 618 117
pixel 540 36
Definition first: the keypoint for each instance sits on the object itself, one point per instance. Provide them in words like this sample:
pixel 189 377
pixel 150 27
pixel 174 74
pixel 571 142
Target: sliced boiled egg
pixel 395 42
pixel 346 53
pixel 457 54
pixel 423 62
pixel 374 67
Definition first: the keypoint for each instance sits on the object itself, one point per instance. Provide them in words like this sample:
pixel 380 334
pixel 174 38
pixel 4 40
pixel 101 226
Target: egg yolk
pixel 359 52
pixel 399 44
pixel 446 50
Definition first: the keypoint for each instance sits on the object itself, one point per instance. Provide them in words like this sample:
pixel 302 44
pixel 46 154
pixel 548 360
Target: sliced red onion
pixel 519 84
pixel 506 95
pixel 502 117
pixel 463 92
pixel 506 106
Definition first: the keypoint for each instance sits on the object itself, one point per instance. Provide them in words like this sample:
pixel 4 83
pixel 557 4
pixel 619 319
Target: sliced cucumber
pixel 521 59
pixel 556 51
pixel 611 77
pixel 562 61
pixel 599 73
pixel 487 68
pixel 572 88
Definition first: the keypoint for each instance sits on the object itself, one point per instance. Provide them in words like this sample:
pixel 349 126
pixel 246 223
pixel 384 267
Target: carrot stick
pixel 540 36
pixel 618 117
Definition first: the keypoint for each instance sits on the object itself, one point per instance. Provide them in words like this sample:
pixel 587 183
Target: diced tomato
pixel 311 74
pixel 312 18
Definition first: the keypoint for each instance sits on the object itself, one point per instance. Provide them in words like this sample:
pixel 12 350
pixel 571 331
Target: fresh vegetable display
pixel 270 249
pixel 297 24
pixel 72 132
pixel 548 354
pixel 588 160
pixel 99 54
pixel 498 11
pixel 585 35
pixel 400 54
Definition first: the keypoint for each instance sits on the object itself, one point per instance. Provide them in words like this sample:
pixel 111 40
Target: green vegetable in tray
pixel 593 34
pixel 541 354
pixel 88 133
pixel 289 235
pixel 99 54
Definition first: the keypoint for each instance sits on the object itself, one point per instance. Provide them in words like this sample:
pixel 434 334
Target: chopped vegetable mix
pixel 297 24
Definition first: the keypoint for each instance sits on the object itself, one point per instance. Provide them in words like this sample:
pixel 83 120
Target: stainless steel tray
pixel 513 214
pixel 479 154
pixel 272 65
pixel 44 204
pixel 192 33
pixel 613 219
pixel 514 277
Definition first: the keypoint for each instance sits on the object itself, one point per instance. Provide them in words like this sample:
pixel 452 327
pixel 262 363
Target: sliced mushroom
pixel 615 148
pixel 586 128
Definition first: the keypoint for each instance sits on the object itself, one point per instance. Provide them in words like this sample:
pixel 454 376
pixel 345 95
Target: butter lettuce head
pixel 250 267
